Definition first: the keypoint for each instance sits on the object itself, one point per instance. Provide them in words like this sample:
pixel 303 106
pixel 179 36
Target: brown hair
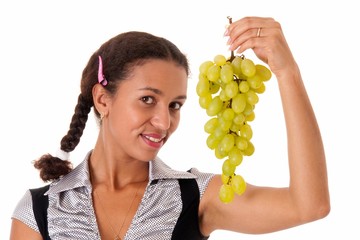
pixel 119 54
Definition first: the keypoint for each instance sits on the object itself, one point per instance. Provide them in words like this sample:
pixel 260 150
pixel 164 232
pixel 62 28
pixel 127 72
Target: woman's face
pixel 146 109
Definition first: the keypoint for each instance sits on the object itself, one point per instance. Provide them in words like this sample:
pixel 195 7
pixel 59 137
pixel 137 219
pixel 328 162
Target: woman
pixel 137 83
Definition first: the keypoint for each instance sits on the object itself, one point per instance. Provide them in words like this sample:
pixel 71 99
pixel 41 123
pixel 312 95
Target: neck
pixel 116 174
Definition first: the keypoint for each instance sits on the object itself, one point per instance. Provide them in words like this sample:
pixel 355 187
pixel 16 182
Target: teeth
pixel 154 139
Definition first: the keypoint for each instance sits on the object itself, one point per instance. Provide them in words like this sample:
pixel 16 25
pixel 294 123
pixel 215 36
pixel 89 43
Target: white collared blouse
pixel 71 214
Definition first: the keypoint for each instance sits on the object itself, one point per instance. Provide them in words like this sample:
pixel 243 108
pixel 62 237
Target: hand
pixel 265 37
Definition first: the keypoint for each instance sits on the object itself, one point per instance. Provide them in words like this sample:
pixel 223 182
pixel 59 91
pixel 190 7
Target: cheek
pixel 175 122
pixel 124 120
pixel 134 118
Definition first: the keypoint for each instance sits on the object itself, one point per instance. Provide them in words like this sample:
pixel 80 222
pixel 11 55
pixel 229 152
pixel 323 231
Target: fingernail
pixel 228 41
pixel 226 33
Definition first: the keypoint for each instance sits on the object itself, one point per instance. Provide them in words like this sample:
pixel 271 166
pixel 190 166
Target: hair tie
pixel 101 78
pixel 62 155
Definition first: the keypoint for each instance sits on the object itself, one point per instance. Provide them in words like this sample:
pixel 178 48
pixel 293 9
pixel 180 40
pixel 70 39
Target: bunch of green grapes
pixel 228 90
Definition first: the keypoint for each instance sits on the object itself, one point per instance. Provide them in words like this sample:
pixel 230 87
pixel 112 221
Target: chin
pixel 147 157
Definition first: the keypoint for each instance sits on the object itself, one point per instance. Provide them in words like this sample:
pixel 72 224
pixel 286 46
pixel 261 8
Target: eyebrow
pixel 159 92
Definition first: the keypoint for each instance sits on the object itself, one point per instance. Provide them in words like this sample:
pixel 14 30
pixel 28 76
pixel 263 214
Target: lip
pixel 154 140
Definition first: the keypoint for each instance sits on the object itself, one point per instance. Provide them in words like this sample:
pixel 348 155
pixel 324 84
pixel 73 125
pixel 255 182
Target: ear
pixel 101 99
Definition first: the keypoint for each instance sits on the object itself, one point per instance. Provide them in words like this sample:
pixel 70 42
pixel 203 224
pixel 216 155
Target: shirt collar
pixel 80 177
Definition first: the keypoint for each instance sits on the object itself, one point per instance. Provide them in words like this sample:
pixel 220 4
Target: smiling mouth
pixel 152 139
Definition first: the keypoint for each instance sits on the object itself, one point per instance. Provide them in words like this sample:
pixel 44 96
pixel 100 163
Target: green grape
pixel 214 107
pixel 239 103
pixel 251 97
pixel 235 156
pixel 228 114
pixel 248 108
pixel 224 124
pixel 205 66
pixel 213 73
pixel 263 72
pixel 248 67
pixel 250 117
pixel 212 141
pixel 254 81
pixel 244 86
pixel 205 100
pixel 226 73
pixel 225 179
pixel 260 89
pixel 241 143
pixel 219 153
pixel 235 128
pixel 219 133
pixel 227 168
pixel 250 149
pixel 203 86
pixel 239 119
pixel 236 64
pixel 246 131
pixel 213 87
pixel 223 96
pixel 238 184
pixel 228 142
pixel 231 89
pixel 219 60
pixel 211 125
pixel 226 193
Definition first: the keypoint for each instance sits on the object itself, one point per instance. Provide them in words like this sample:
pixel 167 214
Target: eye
pixel 148 100
pixel 175 105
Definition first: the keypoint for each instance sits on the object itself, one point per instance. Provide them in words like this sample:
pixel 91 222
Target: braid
pixel 51 168
pixel 77 125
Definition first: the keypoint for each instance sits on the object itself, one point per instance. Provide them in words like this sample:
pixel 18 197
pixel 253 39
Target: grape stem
pixel 232 56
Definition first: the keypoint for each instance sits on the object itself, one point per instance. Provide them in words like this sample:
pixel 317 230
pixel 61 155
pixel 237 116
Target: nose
pixel 161 119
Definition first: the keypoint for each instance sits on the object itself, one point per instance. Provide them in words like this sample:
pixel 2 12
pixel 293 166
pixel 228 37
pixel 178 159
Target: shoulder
pixel 202 179
pixel 24 211
pixel 78 178
pixel 159 170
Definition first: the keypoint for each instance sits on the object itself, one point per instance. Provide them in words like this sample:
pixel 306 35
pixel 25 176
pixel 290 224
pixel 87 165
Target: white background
pixel 46 44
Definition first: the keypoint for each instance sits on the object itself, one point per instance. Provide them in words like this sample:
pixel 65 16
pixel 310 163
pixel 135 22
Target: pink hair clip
pixel 101 78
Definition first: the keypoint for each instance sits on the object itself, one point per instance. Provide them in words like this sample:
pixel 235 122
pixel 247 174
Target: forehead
pixel 166 76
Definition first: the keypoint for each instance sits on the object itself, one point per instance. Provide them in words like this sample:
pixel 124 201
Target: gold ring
pixel 258 32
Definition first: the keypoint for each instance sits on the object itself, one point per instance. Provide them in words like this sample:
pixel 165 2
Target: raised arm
pixel 306 199
pixel 20 230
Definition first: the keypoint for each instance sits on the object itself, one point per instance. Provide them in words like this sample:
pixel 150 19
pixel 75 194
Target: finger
pixel 247 28
pixel 247 36
pixel 254 44
pixel 252 22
